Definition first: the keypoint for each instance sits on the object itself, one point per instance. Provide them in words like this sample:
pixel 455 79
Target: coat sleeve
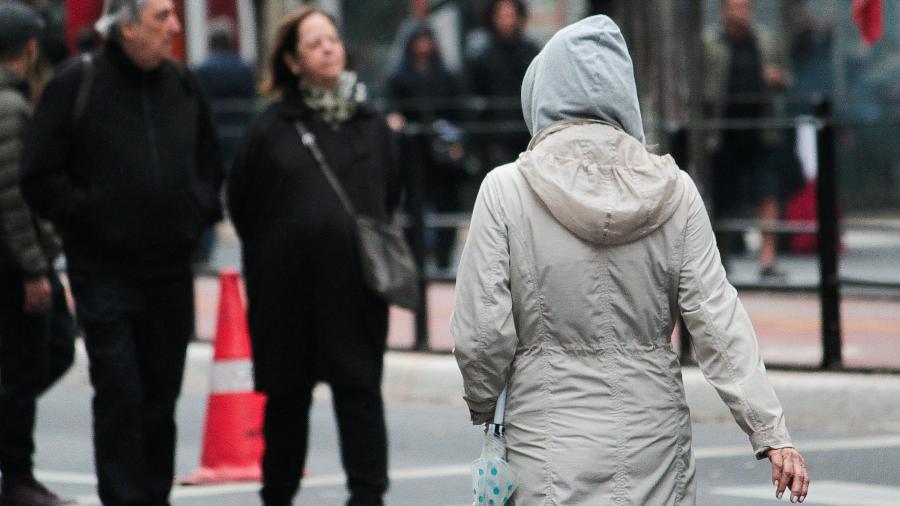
pixel 723 337
pixel 239 184
pixel 47 185
pixel 395 173
pixel 773 54
pixel 243 193
pixel 15 217
pixel 482 323
pixel 210 168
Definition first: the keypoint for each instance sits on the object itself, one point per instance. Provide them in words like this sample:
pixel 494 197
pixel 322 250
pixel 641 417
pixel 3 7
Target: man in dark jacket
pixel 230 84
pixel 123 158
pixel 36 338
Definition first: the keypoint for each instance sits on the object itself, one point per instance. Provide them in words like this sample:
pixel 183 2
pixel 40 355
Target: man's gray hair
pixel 116 12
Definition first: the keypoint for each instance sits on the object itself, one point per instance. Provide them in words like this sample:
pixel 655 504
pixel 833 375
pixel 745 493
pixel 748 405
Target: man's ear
pixel 127 30
pixel 33 50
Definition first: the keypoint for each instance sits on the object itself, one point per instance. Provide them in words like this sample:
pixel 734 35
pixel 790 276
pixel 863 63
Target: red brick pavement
pixel 787 325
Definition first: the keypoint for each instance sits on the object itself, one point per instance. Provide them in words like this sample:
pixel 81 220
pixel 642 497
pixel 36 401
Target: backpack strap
pixel 87 82
pixel 84 87
pixel 186 78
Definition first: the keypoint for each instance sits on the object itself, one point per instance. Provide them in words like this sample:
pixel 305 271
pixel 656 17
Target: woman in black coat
pixel 312 317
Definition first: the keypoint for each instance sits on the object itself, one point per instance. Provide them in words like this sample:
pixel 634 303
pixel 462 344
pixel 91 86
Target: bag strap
pixel 84 88
pixel 309 140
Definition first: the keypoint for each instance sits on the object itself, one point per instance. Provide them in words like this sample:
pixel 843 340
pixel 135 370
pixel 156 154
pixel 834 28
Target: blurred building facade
pixel 827 53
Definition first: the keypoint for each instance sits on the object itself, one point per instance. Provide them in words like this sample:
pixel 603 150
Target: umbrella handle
pixel 500 410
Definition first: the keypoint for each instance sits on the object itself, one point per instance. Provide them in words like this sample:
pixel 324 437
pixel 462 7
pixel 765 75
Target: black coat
pixel 133 182
pixel 311 316
pixel 426 97
pixel 496 73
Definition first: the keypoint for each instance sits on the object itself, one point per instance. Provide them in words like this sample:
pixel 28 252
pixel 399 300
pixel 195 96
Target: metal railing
pixel 827 228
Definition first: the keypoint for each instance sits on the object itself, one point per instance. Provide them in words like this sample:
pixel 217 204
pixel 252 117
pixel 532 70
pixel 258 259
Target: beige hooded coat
pixel 580 257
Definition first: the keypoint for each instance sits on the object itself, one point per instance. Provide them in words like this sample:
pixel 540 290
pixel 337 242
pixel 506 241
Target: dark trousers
pixel 136 337
pixel 35 351
pixel 363 440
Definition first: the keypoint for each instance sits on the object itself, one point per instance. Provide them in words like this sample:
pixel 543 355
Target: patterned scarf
pixel 338 105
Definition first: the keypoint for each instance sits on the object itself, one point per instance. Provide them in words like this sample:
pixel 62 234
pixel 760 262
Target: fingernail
pixel 779 495
pixel 793 498
pixel 802 498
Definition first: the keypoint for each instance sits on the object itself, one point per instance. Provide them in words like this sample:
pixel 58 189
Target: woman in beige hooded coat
pixel 580 257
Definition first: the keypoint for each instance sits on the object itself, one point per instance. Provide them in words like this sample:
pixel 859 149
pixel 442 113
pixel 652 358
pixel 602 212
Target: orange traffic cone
pixel 232 440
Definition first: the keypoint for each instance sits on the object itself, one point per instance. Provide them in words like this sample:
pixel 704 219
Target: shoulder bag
pixel 387 261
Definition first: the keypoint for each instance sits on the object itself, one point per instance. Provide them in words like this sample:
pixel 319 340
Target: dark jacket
pixel 311 315
pixel 231 87
pixel 133 181
pixel 426 97
pixel 496 72
pixel 717 54
pixel 27 244
pixel 422 96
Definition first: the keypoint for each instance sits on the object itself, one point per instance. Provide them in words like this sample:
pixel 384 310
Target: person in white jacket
pixel 580 257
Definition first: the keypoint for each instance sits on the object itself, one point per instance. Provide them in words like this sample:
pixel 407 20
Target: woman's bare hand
pixel 789 472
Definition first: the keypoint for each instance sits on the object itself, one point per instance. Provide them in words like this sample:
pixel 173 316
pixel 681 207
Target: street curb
pixel 812 400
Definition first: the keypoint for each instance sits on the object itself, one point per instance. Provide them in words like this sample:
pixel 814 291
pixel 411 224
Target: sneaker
pixel 772 274
pixel 24 490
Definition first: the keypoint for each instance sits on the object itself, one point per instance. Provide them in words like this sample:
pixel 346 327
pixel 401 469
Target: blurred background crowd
pixel 447 74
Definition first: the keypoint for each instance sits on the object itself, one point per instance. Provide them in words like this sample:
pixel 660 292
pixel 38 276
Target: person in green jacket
pixel 36 332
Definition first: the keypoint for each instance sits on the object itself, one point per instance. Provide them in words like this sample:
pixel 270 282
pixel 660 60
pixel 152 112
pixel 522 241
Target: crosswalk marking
pixel 856 491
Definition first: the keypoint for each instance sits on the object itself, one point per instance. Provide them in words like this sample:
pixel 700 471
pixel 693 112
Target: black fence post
pixel 828 240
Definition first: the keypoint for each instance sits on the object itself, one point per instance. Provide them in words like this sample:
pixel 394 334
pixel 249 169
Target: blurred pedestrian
pixel 422 91
pixel 36 333
pixel 230 84
pixel 580 256
pixel 52 46
pixel 312 317
pixel 419 14
pixel 123 158
pixel 745 68
pixel 496 72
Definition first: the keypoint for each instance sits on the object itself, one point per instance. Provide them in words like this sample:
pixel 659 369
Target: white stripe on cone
pixel 232 377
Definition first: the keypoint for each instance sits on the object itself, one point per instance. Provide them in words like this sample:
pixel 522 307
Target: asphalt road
pixel 431 447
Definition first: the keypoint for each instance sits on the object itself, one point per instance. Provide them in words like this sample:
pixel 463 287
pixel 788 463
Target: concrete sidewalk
pixel 856 403
pixel 814 400
pixel 787 324
pixel 788 328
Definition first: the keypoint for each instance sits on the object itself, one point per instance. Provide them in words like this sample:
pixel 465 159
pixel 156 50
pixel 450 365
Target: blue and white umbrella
pixel 493 482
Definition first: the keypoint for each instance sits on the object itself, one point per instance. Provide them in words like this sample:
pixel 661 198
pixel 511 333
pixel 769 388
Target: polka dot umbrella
pixel 493 482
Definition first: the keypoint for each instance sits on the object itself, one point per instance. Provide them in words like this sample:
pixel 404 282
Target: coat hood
pixel 601 183
pixel 583 72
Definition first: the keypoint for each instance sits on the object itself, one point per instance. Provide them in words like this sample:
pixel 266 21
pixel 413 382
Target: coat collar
pixel 9 79
pixel 292 107
pixel 116 54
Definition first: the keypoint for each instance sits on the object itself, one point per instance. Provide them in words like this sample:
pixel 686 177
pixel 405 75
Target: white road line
pixel 824 493
pixel 430 472
pixel 67 478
